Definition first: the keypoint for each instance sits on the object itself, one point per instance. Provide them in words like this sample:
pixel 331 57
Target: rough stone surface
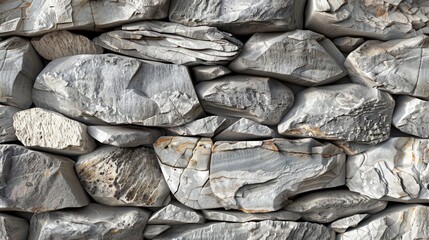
pixel 92 222
pixel 123 177
pixel 204 127
pixel 7 132
pixel 206 73
pixel 348 44
pixel 236 216
pixel 351 148
pixel 50 131
pixel 117 90
pixel 411 116
pixel 130 136
pixel 349 112
pixel 341 225
pixel 172 42
pixel 33 181
pixel 176 213
pixel 263 100
pixel 13 228
pixel 245 129
pixel 301 57
pixel 151 231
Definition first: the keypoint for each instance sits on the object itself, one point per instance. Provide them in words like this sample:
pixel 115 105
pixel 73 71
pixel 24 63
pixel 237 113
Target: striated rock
pixel 151 231
pixel 396 170
pixel 348 112
pixel 382 20
pixel 396 66
pixel 63 44
pixel 330 205
pixel 33 181
pixel 206 73
pixel 13 228
pixel 123 177
pixel 92 222
pixel 245 129
pixel 117 90
pixel 236 216
pixel 50 131
pixel 245 17
pixel 301 57
pixel 19 66
pixel 204 127
pixel 176 213
pixel 120 136
pixel 348 44
pixel 263 100
pixel 398 222
pixel 351 148
pixel 172 42
pixel 341 225
pixel 7 132
pixel 411 117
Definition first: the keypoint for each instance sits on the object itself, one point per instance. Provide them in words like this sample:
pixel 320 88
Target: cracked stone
pixel 411 117
pixel 341 225
pixel 13 228
pixel 206 73
pixel 204 127
pixel 348 44
pixel 7 132
pixel 121 136
pixel 176 213
pixel 245 129
pixel 237 216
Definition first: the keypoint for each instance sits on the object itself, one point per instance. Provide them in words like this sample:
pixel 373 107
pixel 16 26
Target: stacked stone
pixel 218 119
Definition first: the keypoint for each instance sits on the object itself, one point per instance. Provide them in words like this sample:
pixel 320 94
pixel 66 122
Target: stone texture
pixel 7 132
pixel 92 222
pixel 63 44
pixel 206 73
pixel 120 136
pixel 411 117
pixel 50 131
pixel 396 66
pixel 301 57
pixel 348 44
pixel 236 216
pixel 172 42
pixel 263 100
pixel 33 181
pixel 19 66
pixel 245 17
pixel 151 231
pixel 341 225
pixel 351 148
pixel 382 20
pixel 329 205
pixel 176 213
pixel 117 90
pixel 123 177
pixel 204 127
pixel 245 129
pixel 13 228
pixel 348 112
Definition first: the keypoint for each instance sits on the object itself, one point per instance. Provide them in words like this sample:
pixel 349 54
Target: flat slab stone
pixel 13 228
pixel 245 129
pixel 176 213
pixel 348 44
pixel 410 116
pixel 341 225
pixel 237 216
pixel 120 136
pixel 206 73
pixel 7 132
pixel 151 231
pixel 204 127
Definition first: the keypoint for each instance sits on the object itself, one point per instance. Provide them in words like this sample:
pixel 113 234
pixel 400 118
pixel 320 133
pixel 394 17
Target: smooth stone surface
pixel 348 112
pixel 176 213
pixel 263 100
pixel 123 177
pixel 204 127
pixel 92 222
pixel 19 66
pixel 329 205
pixel 121 136
pixel 236 216
pixel 172 42
pixel 411 117
pixel 382 20
pixel 151 231
pixel 206 73
pixel 13 228
pixel 396 66
pixel 245 129
pixel 33 181
pixel 50 131
pixel 341 225
pixel 348 44
pixel 117 90
pixel 7 132
pixel 301 57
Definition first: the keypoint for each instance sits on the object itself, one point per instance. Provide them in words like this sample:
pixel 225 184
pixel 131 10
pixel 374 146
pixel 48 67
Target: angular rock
pixel 117 90
pixel 33 181
pixel 384 20
pixel 13 228
pixel 263 100
pixel 330 205
pixel 301 57
pixel 341 225
pixel 50 131
pixel 120 136
pixel 92 222
pixel 348 112
pixel 7 132
pixel 245 129
pixel 348 44
pixel 172 42
pixel 176 213
pixel 206 73
pixel 396 66
pixel 245 17
pixel 204 127
pixel 63 44
pixel 19 66
pixel 151 231
pixel 123 177
pixel 236 216
pixel 410 116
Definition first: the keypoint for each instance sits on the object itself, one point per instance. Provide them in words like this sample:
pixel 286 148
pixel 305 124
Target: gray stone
pixel 348 44
pixel 151 231
pixel 204 127
pixel 92 222
pixel 13 228
pixel 206 73
pixel 176 213
pixel 19 66
pixel 244 17
pixel 50 131
pixel 7 132
pixel 123 177
pixel 263 100
pixel 237 216
pixel 348 112
pixel 172 42
pixel 351 148
pixel 301 57
pixel 121 136
pixel 341 225
pixel 33 181
pixel 411 117
pixel 245 129
pixel 117 90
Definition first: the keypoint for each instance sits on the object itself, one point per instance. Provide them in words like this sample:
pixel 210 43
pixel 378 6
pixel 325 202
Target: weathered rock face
pixel 19 66
pixel 7 132
pixel 151 231
pixel 237 216
pixel 176 213
pixel 204 127
pixel 302 57
pixel 117 90
pixel 206 73
pixel 244 17
pixel 341 225
pixel 13 228
pixel 172 42
pixel 382 20
pixel 245 129
pixel 123 177
pixel 348 44
pixel 263 100
pixel 37 182
pixel 130 136
pixel 411 117
pixel 348 112
pixel 93 222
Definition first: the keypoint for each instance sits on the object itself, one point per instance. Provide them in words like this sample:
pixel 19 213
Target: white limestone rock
pixel 341 225
pixel 237 216
pixel 301 57
pixel 245 129
pixel 117 90
pixel 13 228
pixel 121 136
pixel 348 44
pixel 348 112
pixel 206 73
pixel 50 131
pixel 204 127
pixel 7 132
pixel 411 116
pixel 351 148
pixel 176 213
pixel 123 177
pixel 151 231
